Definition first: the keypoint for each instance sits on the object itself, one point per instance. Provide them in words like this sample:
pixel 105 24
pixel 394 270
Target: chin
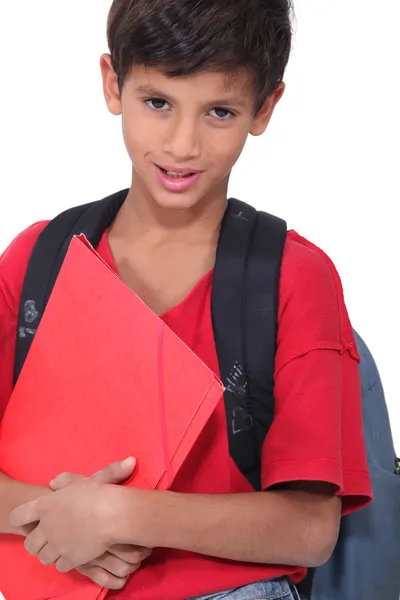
pixel 176 201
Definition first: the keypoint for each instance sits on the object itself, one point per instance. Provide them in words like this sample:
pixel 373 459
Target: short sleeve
pixel 13 264
pixel 317 432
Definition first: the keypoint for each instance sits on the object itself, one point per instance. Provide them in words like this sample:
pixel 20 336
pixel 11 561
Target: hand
pixel 77 523
pixel 112 569
pixel 36 493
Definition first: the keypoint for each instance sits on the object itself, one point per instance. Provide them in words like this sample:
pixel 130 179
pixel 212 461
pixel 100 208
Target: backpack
pixel 244 313
pixel 366 560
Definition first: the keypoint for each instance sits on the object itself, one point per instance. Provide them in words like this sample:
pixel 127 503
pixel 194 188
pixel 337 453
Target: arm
pixel 13 494
pixel 297 526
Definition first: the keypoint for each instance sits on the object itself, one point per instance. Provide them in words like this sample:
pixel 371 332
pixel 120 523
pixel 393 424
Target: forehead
pixel 205 86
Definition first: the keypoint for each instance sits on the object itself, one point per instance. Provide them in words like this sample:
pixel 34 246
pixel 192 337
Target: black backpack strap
pixel 244 306
pixel 47 257
pixel 227 312
pixel 261 320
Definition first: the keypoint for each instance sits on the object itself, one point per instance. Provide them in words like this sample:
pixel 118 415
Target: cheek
pixel 140 135
pixel 225 147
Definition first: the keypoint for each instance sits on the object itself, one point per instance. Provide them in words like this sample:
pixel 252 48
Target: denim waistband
pixel 268 589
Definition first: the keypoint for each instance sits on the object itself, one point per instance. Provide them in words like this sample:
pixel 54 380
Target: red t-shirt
pixel 317 431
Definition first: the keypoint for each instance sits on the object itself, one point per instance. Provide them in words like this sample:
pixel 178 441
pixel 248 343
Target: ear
pixel 263 117
pixel 110 85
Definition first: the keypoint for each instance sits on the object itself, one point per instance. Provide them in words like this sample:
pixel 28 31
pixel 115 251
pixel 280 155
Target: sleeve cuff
pixel 353 486
pixel 357 491
pixel 277 472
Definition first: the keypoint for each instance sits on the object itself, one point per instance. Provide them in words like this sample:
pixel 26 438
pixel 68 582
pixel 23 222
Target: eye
pixel 157 104
pixel 222 114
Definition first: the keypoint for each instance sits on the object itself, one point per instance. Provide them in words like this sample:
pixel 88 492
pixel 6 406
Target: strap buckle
pixel 397 466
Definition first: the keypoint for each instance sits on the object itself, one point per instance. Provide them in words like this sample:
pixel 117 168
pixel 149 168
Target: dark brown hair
pixel 180 37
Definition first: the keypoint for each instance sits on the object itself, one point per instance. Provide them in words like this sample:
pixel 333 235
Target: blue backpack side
pixel 366 561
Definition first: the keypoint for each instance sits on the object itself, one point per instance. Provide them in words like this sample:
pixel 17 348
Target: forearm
pixel 277 527
pixel 13 494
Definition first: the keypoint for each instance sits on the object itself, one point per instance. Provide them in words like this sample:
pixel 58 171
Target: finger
pixel 36 541
pixel 103 578
pixel 115 566
pixel 63 565
pixel 130 554
pixel 63 480
pixel 25 514
pixel 48 556
pixel 27 529
pixel 116 472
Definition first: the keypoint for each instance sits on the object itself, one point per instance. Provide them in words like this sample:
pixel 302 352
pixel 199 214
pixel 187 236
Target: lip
pixel 172 184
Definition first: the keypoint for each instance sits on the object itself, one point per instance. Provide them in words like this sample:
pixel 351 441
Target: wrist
pixel 14 494
pixel 128 516
pixel 139 517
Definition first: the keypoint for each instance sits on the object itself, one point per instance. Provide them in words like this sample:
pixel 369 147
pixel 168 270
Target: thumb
pixel 116 472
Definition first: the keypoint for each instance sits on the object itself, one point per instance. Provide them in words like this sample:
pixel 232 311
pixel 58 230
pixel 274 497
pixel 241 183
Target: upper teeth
pixel 173 174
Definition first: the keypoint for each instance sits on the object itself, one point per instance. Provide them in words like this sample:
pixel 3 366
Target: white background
pixel 329 163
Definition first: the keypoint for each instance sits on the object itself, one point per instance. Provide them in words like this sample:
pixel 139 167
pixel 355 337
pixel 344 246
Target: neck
pixel 141 217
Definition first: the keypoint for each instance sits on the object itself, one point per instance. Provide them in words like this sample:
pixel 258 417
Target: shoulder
pixel 312 309
pixel 304 260
pixel 14 262
pixel 306 270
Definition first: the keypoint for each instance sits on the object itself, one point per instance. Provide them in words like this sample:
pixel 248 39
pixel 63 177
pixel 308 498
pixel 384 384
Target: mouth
pixel 177 173
pixel 176 180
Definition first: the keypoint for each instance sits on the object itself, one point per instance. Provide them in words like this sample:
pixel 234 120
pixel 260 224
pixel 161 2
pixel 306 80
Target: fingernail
pixel 128 462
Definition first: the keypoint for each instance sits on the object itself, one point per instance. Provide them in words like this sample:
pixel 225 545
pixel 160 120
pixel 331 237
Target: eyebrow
pixel 150 90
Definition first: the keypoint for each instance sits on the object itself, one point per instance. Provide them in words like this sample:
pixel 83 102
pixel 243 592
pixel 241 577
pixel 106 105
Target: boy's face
pixel 194 125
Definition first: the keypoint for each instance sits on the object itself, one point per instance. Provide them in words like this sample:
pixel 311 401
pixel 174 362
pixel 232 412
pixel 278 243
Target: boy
pixel 192 79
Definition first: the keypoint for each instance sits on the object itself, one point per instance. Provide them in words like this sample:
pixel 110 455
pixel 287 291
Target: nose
pixel 182 140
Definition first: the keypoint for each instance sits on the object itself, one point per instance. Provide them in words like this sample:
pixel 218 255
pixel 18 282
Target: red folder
pixel 105 379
